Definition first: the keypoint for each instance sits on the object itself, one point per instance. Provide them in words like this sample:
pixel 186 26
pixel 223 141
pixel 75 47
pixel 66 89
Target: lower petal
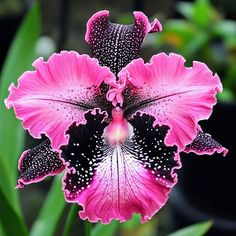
pixel 116 182
pixel 38 163
pixel 205 144
pixel 120 188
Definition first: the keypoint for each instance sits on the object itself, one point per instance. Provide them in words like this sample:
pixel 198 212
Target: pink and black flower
pixel 114 124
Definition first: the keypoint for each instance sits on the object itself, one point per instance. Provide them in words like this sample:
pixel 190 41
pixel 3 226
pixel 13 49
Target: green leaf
pixel 11 222
pixel 2 233
pixel 201 12
pixel 197 43
pixel 108 230
pixel 134 227
pixel 133 223
pixel 186 9
pixel 226 96
pixel 71 217
pixel 51 211
pixel 87 228
pixel 177 33
pixel 227 30
pixel 199 229
pixel 19 58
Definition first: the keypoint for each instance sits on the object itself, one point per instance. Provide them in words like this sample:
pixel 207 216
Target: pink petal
pixel 115 45
pixel 175 95
pixel 116 182
pixel 205 144
pixel 59 92
pixel 38 163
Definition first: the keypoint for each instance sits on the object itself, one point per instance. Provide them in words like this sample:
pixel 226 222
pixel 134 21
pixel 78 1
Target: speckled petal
pixel 38 163
pixel 205 144
pixel 114 182
pixel 115 45
pixel 175 95
pixel 58 93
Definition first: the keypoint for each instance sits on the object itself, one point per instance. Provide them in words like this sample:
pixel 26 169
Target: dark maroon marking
pixel 115 45
pixel 204 143
pixel 87 148
pixel 147 145
pixel 83 153
pixel 37 163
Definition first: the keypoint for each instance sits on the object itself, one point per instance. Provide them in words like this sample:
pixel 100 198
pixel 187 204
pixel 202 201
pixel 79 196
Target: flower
pixel 114 124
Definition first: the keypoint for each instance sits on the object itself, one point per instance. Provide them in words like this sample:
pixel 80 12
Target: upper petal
pixel 59 92
pixel 115 45
pixel 175 95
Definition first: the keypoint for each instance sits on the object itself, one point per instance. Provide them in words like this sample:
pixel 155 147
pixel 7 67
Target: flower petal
pixel 115 45
pixel 59 92
pixel 38 163
pixel 175 95
pixel 205 144
pixel 115 182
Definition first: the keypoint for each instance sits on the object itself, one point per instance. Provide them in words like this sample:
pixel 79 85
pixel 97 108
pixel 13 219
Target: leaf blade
pixel 12 135
pixel 198 229
pixel 108 230
pixel 11 222
pixel 51 211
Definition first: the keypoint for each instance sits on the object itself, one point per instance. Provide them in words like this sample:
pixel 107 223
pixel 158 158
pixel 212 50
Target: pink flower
pixel 114 124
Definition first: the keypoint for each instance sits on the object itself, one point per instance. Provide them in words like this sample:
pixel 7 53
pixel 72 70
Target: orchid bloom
pixel 114 124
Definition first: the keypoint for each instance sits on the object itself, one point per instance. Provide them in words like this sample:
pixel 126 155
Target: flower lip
pixel 115 181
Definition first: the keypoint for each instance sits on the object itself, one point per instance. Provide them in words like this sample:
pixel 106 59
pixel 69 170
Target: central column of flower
pixel 118 130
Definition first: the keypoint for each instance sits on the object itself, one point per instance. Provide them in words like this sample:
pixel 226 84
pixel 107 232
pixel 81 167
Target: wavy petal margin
pixel 37 163
pixel 58 93
pixel 116 182
pixel 205 144
pixel 115 45
pixel 175 95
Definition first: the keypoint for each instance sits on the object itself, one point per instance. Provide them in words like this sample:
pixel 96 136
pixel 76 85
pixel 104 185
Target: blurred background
pixel 201 30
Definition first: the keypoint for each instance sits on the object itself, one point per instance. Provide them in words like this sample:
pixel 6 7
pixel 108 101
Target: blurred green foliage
pixel 11 7
pixel 198 229
pixel 206 36
pixel 19 59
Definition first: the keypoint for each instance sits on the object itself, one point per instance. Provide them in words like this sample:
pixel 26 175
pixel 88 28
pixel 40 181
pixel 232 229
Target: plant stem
pixel 87 228
pixel 72 215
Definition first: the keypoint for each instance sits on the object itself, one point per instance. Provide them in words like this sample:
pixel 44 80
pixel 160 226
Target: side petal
pixel 205 144
pixel 175 95
pixel 59 92
pixel 115 45
pixel 37 163
pixel 116 182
